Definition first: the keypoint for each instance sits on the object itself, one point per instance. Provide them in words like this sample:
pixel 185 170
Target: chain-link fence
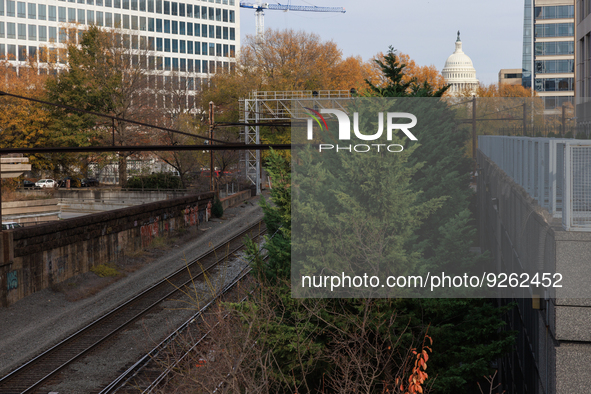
pixel 554 171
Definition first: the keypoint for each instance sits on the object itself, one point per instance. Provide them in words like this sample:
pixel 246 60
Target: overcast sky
pixel 491 31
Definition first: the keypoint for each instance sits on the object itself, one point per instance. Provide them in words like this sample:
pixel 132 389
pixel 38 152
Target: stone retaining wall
pixel 33 258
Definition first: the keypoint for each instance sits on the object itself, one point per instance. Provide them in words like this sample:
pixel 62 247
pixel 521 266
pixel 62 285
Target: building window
pixel 167 64
pixel 218 32
pixel 134 6
pixel 204 48
pixel 159 46
pixel 22 53
pixel 167 45
pixel 232 51
pixel 183 65
pixel 167 8
pixel 108 19
pixel 203 12
pixel 150 24
pixel 189 28
pixel 2 10
pixel 181 9
pixel 99 18
pixel 225 33
pixel 117 20
pixel 90 17
pixel 189 11
pixel 211 49
pixel 22 31
pixel 52 34
pixel 204 67
pixel 211 31
pixel 143 5
pixel 555 12
pixel 555 30
pixel 150 5
pixel 72 15
pixel 232 34
pixel 211 13
pixel 81 16
pixel 158 25
pixel 182 46
pixel 159 6
pixel 32 11
pixel 175 64
pixel 134 23
pixel 175 27
pixel 51 13
pixel 554 66
pixel 232 17
pixel 21 9
pixel 175 8
pixel 33 32
pixel 182 28
pixel 175 46
pixel 10 8
pixel 190 47
pixel 218 49
pixel 218 14
pixel 166 26
pixel 42 33
pixel 203 30
pixel 190 67
pixel 225 16
pixel 226 50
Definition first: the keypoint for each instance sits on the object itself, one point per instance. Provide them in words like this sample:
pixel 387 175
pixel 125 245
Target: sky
pixel 491 31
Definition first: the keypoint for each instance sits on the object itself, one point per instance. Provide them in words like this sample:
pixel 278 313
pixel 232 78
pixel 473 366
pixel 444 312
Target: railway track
pixel 153 369
pixel 31 375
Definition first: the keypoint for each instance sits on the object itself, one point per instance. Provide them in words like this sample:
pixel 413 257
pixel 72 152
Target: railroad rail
pixel 31 375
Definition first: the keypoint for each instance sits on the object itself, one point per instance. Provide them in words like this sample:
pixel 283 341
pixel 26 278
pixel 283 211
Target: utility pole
pixel 474 130
pixel 524 124
pixel 211 143
pixel 563 120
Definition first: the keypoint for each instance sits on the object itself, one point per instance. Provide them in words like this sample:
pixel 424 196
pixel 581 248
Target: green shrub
pixel 217 209
pixel 104 270
pixel 155 181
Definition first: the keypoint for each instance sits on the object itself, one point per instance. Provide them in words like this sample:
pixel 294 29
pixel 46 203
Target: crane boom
pixel 289 7
pixel 260 7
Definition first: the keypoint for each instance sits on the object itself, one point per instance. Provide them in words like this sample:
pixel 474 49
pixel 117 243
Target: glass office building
pixel 195 39
pixel 549 51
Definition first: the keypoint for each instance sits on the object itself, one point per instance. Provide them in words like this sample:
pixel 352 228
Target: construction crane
pixel 260 13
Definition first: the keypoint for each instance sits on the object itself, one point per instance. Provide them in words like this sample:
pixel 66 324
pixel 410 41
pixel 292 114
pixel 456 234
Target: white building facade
pixel 459 72
pixel 195 38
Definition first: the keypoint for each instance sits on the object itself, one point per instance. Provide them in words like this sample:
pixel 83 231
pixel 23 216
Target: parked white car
pixel 45 183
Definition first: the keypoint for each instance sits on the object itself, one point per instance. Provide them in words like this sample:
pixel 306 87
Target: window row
pixel 555 12
pixel 555 30
pixel 182 46
pixel 11 32
pixel 21 9
pixel 554 66
pixel 554 84
pixel 555 48
pixel 155 63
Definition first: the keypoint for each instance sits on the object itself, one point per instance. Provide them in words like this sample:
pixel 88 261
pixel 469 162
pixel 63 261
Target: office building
pixel 549 52
pixel 510 76
pixel 194 38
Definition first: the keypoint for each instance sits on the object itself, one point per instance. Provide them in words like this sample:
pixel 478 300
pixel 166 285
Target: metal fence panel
pixel 554 171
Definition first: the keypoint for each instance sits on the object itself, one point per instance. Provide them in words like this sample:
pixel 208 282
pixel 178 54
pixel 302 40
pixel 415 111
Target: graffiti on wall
pixel 12 280
pixel 149 231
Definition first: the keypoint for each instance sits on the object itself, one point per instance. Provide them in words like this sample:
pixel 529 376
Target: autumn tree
pixel 105 75
pixel 23 123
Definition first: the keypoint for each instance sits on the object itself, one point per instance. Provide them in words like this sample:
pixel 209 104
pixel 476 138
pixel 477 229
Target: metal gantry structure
pixel 262 106
pixel 261 7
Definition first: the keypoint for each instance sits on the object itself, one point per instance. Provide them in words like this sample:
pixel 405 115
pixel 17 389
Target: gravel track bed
pixel 41 320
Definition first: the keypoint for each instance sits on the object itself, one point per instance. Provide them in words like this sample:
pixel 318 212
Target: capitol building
pixel 459 71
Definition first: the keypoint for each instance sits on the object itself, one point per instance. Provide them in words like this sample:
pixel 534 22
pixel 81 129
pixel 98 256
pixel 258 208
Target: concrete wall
pixel 31 211
pixel 553 350
pixel 33 258
pixel 234 199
